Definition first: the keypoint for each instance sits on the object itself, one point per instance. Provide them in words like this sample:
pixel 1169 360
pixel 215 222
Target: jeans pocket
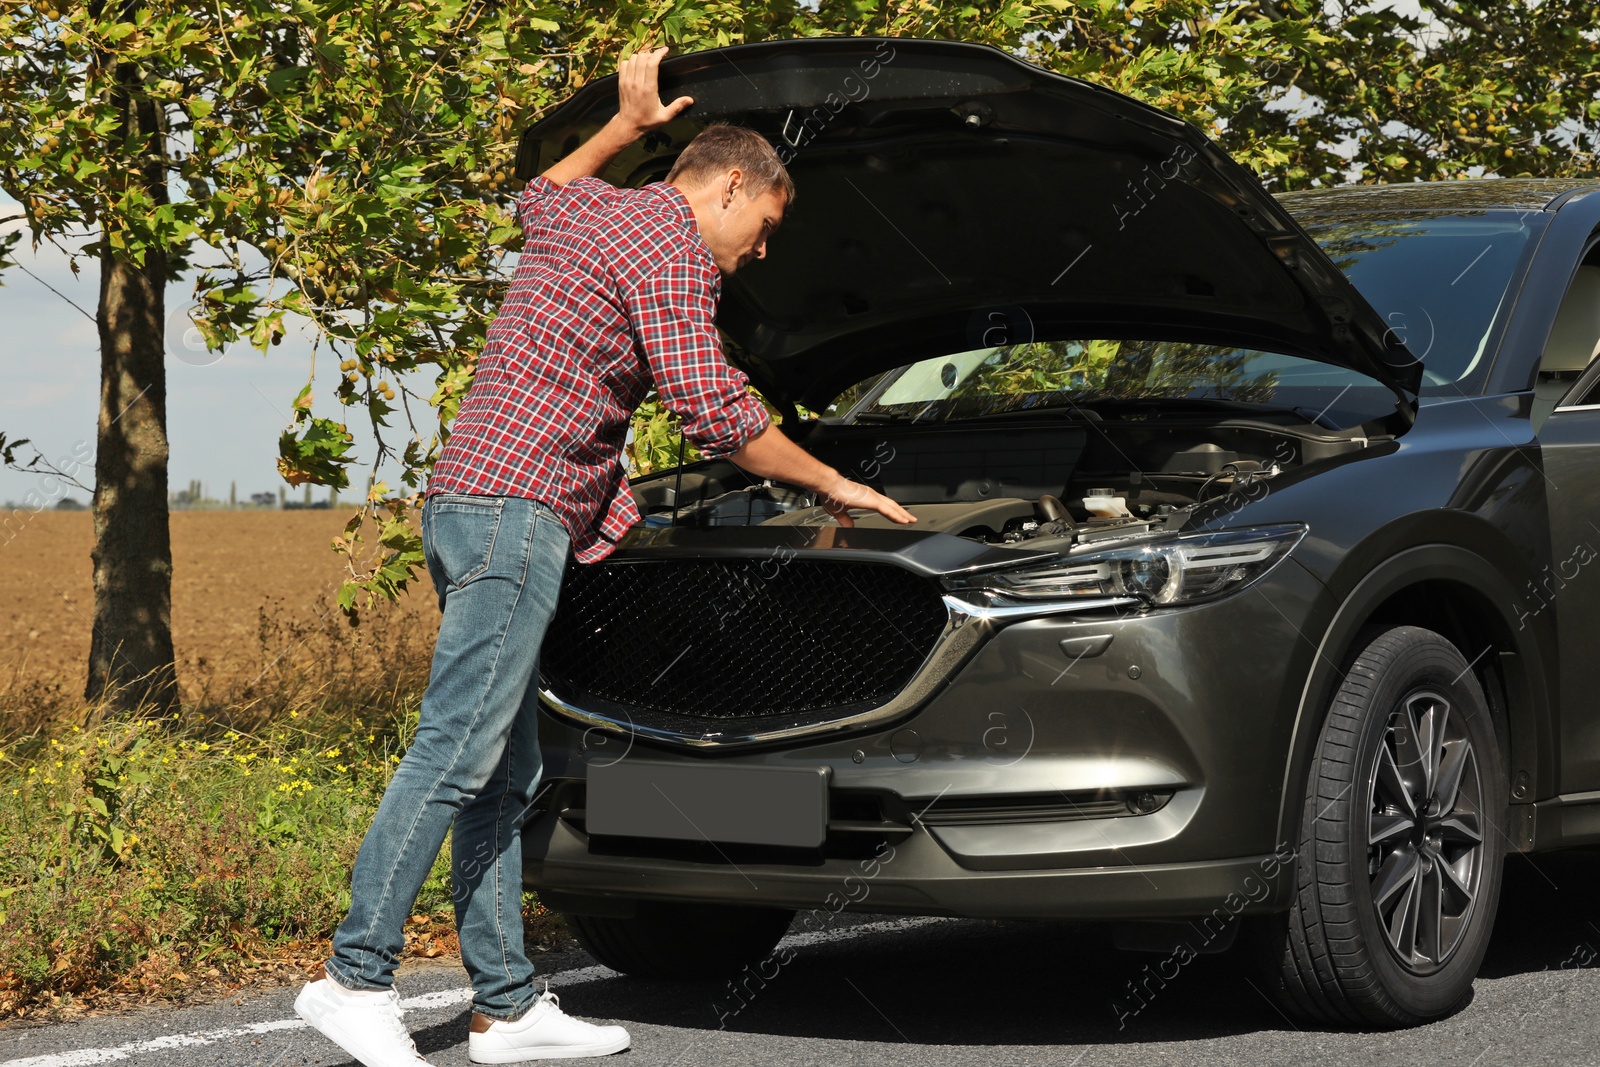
pixel 458 534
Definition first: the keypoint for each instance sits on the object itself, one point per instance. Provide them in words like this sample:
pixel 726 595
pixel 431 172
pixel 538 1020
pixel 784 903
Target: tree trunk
pixel 130 654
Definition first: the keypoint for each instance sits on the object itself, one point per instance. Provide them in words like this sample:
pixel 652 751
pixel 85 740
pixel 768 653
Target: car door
pixel 1567 422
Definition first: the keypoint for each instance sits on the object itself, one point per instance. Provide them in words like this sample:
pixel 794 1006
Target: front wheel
pixel 672 940
pixel 1399 862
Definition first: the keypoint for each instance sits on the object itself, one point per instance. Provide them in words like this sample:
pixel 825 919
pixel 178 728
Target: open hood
pixel 952 197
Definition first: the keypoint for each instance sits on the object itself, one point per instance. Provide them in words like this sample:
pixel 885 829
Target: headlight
pixel 1186 569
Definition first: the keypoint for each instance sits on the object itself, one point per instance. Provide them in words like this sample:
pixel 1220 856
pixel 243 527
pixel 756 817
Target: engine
pixel 1070 482
pixel 1127 504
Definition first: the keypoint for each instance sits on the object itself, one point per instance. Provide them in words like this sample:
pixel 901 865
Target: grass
pixel 140 855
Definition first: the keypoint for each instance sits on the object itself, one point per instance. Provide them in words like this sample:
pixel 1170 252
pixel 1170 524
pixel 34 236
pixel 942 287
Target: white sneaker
pixel 544 1033
pixel 365 1023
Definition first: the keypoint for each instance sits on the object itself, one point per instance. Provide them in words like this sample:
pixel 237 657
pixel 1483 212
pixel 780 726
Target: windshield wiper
pixel 1246 406
pixel 1092 406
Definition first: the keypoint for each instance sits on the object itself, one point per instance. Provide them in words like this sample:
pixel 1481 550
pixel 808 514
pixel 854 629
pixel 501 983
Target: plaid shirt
pixel 615 290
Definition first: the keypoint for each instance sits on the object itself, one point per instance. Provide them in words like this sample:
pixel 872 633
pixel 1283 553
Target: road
pixel 879 990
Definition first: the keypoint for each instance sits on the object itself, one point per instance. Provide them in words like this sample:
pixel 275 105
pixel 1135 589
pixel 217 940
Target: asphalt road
pixel 879 990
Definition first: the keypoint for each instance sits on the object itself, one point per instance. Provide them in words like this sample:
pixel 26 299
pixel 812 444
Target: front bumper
pixel 917 877
pixel 1001 796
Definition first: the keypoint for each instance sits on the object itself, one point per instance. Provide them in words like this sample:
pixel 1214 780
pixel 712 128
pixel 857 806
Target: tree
pixel 1471 88
pixel 360 153
pixel 350 163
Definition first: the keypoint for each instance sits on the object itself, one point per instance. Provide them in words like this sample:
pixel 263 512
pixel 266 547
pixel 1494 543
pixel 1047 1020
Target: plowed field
pixel 248 587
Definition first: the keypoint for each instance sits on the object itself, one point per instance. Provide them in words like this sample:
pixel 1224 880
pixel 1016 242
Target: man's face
pixel 741 223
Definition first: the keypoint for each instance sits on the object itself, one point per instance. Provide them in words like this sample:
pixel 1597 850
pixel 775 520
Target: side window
pixel 1590 397
pixel 1574 342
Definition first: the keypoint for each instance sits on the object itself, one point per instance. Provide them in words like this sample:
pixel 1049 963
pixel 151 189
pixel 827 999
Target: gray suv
pixel 1251 580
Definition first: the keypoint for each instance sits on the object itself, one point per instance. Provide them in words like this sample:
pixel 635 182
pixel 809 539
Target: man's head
pixel 738 189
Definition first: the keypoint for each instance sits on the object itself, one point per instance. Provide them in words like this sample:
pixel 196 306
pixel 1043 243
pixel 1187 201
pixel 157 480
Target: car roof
pixel 1471 194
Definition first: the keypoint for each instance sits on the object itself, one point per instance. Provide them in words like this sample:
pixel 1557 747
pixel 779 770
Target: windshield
pixel 1439 281
pixel 1104 375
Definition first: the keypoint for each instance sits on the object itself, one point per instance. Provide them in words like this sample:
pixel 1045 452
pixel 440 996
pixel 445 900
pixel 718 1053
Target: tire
pixel 688 941
pixel 1398 869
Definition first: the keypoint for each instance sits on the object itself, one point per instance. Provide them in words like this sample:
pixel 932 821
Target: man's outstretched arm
pixel 770 454
pixel 639 110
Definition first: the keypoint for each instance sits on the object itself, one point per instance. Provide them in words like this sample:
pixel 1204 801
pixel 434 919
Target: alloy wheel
pixel 1425 831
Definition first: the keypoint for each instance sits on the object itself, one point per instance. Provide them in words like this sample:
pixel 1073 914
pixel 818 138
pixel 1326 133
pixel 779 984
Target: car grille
pixel 739 638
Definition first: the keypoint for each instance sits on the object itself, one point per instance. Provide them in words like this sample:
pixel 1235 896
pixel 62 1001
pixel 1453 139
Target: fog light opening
pixel 1145 801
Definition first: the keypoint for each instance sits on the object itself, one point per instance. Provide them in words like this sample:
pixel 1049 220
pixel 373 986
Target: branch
pixel 37 465
pixel 1460 18
pixel 56 291
pixel 487 281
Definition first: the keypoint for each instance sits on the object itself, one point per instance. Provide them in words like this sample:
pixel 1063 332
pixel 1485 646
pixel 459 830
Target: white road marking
pixel 446 998
pixel 83 1057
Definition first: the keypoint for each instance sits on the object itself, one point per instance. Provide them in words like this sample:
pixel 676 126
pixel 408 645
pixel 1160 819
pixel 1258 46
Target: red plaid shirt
pixel 615 290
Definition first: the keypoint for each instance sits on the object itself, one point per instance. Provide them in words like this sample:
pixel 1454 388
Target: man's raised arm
pixel 639 110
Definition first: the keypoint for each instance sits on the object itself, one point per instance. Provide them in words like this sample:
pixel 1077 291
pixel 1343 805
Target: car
pixel 1251 587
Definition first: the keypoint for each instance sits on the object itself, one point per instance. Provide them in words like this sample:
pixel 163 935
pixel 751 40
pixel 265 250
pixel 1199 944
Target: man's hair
pixel 720 147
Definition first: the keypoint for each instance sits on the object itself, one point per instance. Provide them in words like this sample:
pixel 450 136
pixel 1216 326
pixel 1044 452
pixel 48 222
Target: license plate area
pixel 782 806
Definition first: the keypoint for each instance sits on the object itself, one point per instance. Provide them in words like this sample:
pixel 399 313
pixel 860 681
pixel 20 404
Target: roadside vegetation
pixel 146 857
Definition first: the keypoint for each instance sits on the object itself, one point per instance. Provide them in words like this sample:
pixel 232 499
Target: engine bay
pixel 1066 484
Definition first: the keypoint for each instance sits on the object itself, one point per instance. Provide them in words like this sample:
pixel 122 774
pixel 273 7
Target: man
pixel 614 291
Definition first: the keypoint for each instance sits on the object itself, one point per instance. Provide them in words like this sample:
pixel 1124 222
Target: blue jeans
pixel 496 563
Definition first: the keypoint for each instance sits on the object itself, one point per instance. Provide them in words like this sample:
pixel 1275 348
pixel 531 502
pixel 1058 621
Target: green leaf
pixel 285 79
pixel 319 454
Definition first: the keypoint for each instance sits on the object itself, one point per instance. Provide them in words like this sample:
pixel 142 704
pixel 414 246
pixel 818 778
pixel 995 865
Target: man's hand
pixel 847 494
pixel 639 106
pixel 639 110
